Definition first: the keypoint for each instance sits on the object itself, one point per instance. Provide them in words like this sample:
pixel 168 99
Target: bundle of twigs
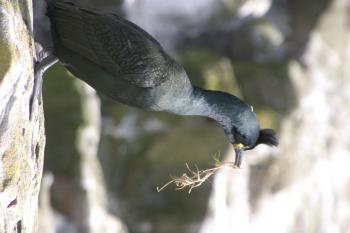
pixel 196 177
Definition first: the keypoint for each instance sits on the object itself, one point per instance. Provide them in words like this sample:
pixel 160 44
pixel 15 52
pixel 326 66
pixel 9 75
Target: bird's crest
pixel 268 137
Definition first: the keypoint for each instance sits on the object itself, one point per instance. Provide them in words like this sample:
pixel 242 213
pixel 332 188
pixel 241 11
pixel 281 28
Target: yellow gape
pixel 238 146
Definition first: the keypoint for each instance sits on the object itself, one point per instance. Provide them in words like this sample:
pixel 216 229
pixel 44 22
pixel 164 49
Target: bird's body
pixel 132 68
pixel 121 60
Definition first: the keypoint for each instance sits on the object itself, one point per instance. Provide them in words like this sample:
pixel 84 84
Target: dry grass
pixel 195 177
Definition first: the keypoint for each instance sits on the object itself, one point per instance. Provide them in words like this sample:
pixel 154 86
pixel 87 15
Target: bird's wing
pixel 117 45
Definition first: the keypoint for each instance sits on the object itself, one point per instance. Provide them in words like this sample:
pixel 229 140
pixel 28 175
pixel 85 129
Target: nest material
pixel 195 177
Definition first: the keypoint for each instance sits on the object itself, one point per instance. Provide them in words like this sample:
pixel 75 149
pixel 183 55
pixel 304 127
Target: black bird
pixel 121 60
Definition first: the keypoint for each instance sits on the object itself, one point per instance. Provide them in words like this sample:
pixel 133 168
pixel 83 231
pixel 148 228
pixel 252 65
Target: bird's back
pixel 119 47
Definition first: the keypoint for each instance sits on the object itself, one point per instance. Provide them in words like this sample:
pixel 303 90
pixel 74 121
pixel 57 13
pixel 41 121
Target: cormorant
pixel 121 60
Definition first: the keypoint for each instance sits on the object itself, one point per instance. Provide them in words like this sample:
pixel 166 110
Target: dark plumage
pixel 121 60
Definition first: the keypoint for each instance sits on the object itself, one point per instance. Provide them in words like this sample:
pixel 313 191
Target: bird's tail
pixel 41 23
pixel 50 5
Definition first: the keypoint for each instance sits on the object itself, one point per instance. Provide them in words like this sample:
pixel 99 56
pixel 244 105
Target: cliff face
pixel 22 140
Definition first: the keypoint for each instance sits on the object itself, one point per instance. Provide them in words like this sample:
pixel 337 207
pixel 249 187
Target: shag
pixel 121 60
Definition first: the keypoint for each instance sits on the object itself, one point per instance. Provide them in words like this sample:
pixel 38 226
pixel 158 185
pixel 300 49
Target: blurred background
pixel 290 59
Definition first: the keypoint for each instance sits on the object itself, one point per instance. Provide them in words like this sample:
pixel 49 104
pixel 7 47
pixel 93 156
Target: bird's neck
pixel 216 105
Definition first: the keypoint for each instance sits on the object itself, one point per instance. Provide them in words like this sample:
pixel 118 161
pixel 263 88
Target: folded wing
pixel 120 47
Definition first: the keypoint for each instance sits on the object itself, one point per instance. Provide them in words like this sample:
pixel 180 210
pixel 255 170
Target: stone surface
pixel 22 140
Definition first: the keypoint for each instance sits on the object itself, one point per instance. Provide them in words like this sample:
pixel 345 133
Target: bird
pixel 121 60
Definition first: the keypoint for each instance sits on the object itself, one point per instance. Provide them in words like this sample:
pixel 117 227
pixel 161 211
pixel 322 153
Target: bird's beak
pixel 239 153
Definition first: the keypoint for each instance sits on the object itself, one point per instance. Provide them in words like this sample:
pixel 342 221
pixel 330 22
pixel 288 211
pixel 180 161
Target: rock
pixel 22 140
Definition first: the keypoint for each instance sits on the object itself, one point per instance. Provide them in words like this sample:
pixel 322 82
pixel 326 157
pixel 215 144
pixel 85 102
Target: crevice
pixel 19 226
pixel 37 151
pixel 12 203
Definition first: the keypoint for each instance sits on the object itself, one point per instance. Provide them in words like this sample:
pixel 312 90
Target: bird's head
pixel 244 133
